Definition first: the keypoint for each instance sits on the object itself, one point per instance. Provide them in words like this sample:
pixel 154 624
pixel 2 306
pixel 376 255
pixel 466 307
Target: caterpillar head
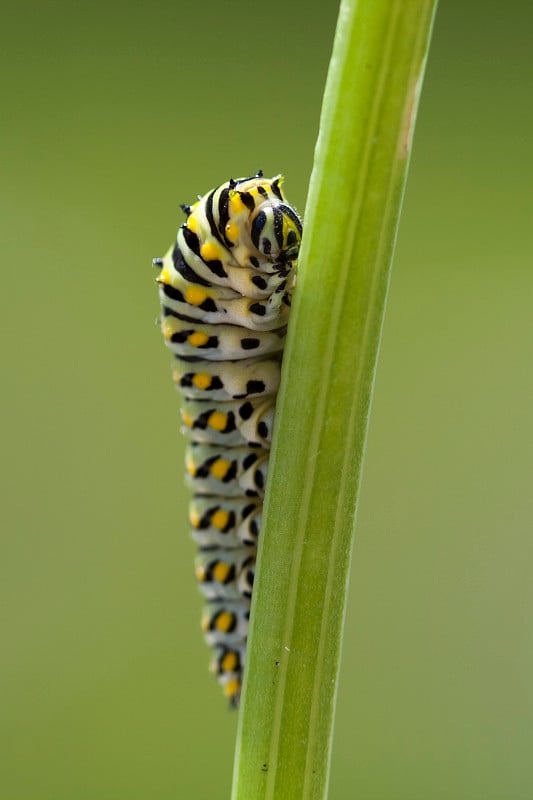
pixel 276 232
pixel 275 229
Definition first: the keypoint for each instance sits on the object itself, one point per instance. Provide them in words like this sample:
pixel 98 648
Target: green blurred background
pixel 113 114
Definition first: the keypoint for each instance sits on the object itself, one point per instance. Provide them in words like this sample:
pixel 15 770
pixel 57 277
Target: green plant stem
pixel 285 728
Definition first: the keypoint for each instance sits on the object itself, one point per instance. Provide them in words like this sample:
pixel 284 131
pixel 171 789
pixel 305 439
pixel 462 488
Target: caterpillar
pixel 225 289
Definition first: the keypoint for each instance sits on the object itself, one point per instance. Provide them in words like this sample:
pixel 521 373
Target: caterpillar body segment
pixel 208 422
pixel 204 380
pixel 224 522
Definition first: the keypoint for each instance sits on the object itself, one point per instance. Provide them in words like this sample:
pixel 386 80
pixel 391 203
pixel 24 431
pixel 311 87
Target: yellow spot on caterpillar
pixel 194 518
pixel 201 380
pixel 219 468
pixel 200 573
pixel 190 465
pixel 220 519
pixel 229 662
pixel 195 295
pixel 192 223
pixel 288 226
pixel 210 251
pixel 218 420
pixel 224 621
pixel 235 202
pixel 221 571
pixel 232 231
pixel 164 276
pixel 205 623
pixel 197 339
pixel 232 687
pixel 187 419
